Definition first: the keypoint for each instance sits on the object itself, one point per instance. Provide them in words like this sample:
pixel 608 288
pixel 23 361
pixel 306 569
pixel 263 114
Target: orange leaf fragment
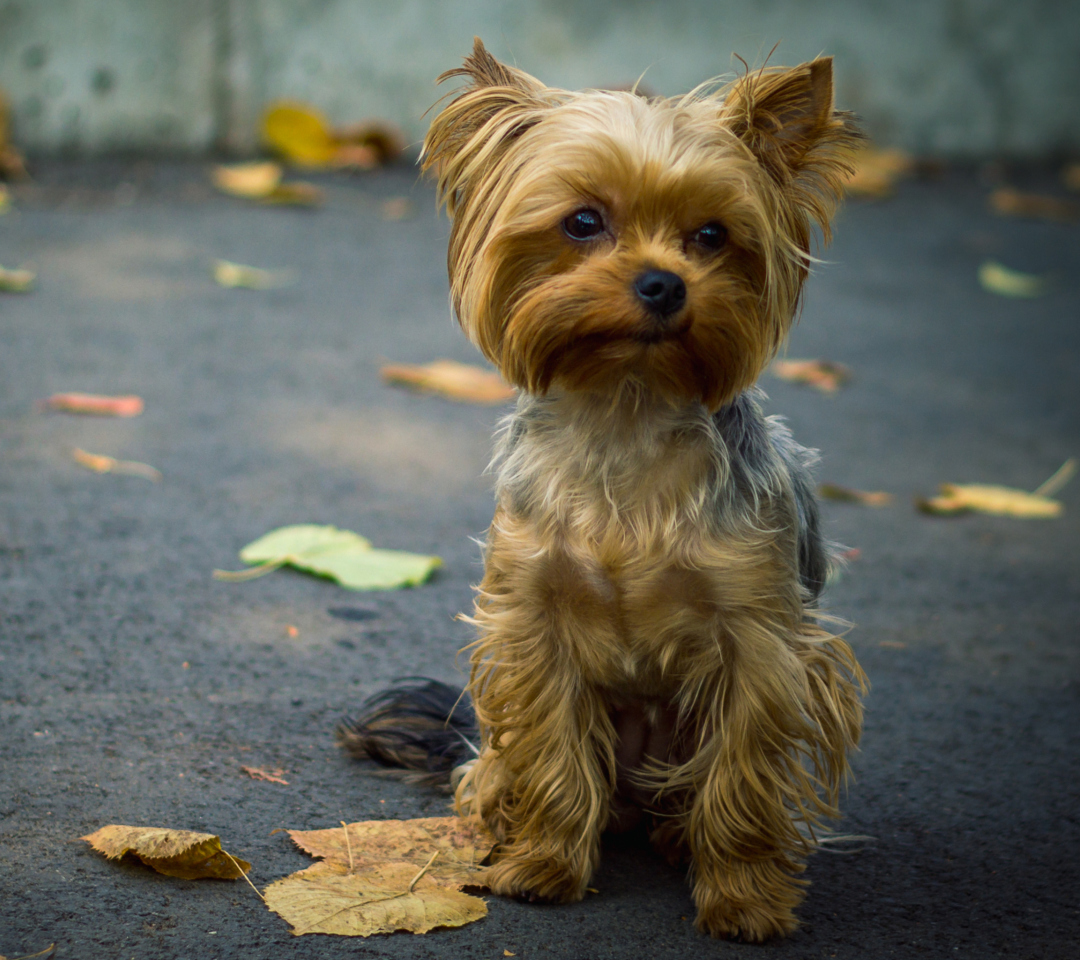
pixel 457 381
pixel 876 171
pixel 96 404
pixel 250 180
pixel 100 463
pixel 1014 203
pixel 875 498
pixel 825 375
pixel 270 776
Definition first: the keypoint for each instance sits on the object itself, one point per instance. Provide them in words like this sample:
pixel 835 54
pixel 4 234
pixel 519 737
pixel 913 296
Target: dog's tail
pixel 420 726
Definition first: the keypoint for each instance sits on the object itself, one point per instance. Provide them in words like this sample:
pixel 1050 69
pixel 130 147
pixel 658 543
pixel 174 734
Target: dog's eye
pixel 583 225
pixel 712 236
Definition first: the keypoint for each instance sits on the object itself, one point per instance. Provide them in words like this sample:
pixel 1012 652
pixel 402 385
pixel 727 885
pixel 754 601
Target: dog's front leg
pixel 544 776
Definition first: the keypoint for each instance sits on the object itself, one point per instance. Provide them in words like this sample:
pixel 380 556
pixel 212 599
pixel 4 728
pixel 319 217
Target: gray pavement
pixel 133 686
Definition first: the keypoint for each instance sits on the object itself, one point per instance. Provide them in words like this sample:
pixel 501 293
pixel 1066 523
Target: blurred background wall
pixel 948 77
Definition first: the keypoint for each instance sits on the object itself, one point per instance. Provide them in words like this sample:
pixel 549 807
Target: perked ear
pixel 497 105
pixel 785 115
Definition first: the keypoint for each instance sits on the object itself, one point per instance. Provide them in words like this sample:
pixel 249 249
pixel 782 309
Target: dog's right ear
pixel 470 134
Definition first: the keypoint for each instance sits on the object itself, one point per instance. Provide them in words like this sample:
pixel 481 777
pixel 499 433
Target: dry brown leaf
pixel 96 404
pixel 875 498
pixel 396 208
pixel 1014 203
pixel 16 281
pixel 461 845
pixel 391 897
pixel 270 776
pixel 826 375
pixel 100 463
pixel 458 381
pixel 176 853
pixel 1071 176
pixel 303 136
pixel 877 170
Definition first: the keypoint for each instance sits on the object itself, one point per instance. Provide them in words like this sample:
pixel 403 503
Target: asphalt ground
pixel 133 686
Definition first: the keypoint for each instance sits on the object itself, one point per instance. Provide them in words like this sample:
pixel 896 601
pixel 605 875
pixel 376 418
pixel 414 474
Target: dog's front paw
pixel 749 901
pixel 536 880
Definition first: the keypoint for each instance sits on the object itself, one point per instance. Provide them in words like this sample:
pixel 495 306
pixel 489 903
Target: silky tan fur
pixel 647 636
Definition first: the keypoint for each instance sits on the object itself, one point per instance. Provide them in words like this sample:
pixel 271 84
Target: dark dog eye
pixel 712 236
pixel 583 225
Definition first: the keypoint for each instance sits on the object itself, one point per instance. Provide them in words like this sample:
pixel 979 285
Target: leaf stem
pixel 252 573
pixel 423 870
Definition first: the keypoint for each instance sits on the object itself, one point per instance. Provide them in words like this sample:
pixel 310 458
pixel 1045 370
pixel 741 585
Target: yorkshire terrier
pixel 648 637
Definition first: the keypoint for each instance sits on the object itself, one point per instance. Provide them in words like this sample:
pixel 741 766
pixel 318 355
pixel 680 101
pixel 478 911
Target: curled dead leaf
pixel 1036 206
pixel 876 498
pixel 100 463
pixel 456 381
pixel 826 375
pixel 95 404
pixel 175 853
pixel 877 170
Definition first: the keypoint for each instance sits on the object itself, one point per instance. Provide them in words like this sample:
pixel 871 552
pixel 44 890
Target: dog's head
pixel 601 238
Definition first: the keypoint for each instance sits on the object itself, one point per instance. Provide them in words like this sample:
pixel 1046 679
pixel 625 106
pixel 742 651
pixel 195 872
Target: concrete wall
pixel 951 77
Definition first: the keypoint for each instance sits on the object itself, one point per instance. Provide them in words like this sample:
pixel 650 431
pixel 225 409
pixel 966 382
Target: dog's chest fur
pixel 638 532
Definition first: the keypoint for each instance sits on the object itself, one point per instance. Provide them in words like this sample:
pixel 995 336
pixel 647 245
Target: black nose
pixel 662 291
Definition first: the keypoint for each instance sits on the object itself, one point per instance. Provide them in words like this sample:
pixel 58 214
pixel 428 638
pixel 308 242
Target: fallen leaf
pixel 12 166
pixel 382 876
pixel 396 208
pixel 507 953
pixel 1002 501
pixel 877 170
pixel 270 776
pixel 251 180
pixel 328 898
pixel 303 136
pixel 176 853
pixel 458 381
pixel 1071 176
pixel 100 463
pixel 877 498
pixel 1013 203
pixel 16 281
pixel 462 843
pixel 999 279
pixel 341 555
pixel 262 182
pixel 229 274
pixel 826 375
pixel 5 206
pixel 96 404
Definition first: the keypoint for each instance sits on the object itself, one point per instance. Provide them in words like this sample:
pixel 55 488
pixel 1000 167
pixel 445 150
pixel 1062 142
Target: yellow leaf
pixel 328 898
pixel 299 133
pixel 461 845
pixel 999 279
pixel 1003 501
pixel 16 281
pixel 229 274
pixel 876 498
pixel 457 381
pixel 877 170
pixel 825 375
pixel 176 853
pixel 251 180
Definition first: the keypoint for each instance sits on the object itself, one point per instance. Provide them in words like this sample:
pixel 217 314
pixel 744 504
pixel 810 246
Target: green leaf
pixel 341 555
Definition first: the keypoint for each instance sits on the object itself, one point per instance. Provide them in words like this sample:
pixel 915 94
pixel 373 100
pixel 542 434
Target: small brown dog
pixel 648 642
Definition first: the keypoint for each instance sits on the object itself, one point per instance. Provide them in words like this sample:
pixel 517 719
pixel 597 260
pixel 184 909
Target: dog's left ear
pixel 786 116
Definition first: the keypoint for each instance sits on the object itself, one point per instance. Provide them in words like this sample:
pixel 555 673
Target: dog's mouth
pixel 661 331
